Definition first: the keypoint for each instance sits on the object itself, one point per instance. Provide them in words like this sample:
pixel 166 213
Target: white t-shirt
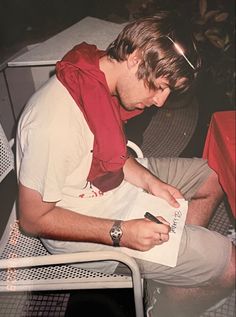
pixel 54 155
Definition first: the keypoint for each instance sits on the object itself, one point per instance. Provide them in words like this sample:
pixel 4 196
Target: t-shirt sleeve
pixel 44 161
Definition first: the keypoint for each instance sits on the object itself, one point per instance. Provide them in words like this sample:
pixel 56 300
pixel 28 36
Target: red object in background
pixel 219 150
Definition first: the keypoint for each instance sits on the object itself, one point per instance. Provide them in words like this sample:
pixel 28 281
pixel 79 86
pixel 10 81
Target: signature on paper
pixel 177 216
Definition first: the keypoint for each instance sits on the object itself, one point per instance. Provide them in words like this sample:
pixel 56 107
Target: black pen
pixel 149 216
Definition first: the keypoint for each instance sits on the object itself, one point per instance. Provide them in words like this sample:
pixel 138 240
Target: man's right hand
pixel 143 234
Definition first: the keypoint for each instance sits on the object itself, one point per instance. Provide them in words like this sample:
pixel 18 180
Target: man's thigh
pixel 202 258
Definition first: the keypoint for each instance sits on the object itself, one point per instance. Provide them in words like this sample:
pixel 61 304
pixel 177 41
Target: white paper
pixel 167 253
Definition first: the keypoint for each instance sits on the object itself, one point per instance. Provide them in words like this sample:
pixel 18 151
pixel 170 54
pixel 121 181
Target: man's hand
pixel 143 234
pixel 160 189
pixel 139 176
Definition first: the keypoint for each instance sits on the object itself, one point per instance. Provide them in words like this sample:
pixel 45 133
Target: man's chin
pixel 128 108
pixel 139 107
pixel 133 107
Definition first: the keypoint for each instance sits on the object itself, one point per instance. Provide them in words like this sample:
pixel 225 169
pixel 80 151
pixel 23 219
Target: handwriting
pixel 177 216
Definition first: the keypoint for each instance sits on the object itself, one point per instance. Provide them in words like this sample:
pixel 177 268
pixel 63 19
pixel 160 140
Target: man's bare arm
pixel 46 220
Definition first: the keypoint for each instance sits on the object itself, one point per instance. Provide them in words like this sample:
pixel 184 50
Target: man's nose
pixel 160 97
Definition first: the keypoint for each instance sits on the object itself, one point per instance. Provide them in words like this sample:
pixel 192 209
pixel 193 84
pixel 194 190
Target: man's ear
pixel 133 60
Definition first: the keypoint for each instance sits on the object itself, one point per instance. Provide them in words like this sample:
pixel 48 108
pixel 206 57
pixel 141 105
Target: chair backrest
pixel 8 183
pixel 6 156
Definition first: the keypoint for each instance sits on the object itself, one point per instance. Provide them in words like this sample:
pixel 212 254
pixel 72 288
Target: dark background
pixel 30 21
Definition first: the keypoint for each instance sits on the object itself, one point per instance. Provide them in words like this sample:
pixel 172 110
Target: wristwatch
pixel 116 233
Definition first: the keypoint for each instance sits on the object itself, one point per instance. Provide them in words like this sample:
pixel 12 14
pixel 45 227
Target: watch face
pixel 116 233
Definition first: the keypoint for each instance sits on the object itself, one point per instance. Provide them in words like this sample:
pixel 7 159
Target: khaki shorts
pixel 202 258
pixel 186 174
pixel 203 253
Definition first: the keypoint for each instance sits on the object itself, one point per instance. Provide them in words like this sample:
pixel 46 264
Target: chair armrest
pixel 70 258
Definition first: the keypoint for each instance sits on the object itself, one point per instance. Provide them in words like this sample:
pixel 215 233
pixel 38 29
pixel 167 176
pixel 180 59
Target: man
pixel 76 180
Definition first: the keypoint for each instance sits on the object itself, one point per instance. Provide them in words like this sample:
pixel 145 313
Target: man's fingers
pixel 162 220
pixel 171 200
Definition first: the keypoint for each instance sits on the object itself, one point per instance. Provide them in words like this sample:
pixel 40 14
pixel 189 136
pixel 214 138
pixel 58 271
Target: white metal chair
pixel 25 264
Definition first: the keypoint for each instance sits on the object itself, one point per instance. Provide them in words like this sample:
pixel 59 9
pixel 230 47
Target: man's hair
pixel 165 47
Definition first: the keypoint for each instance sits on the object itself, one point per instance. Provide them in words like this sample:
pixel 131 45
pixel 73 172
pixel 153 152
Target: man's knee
pixel 209 188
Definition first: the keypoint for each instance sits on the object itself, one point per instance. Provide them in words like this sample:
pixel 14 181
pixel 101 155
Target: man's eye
pixel 160 88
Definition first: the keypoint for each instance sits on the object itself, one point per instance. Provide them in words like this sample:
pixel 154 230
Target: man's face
pixel 134 94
